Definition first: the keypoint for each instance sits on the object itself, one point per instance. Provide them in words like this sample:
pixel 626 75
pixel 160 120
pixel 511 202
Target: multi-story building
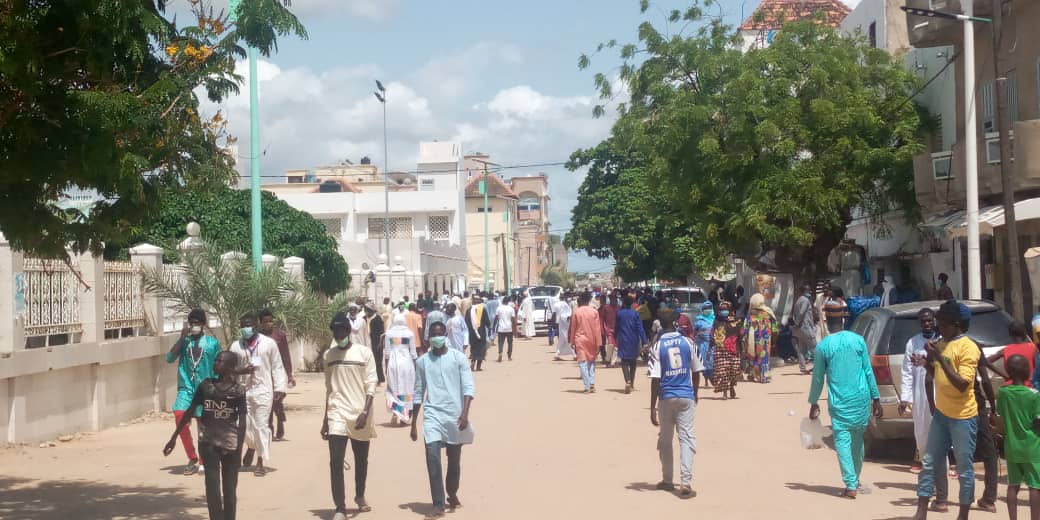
pixel 533 231
pixel 939 173
pixel 500 241
pixel 758 30
pixel 426 222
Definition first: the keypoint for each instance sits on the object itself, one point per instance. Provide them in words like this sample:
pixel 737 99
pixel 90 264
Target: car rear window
pixel 540 303
pixel 685 297
pixel 988 329
pixel 542 291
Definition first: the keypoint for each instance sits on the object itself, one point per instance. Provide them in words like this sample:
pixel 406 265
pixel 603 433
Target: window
pixel 872 34
pixel 440 229
pixel 993 147
pixel 529 204
pixel 936 4
pixel 333 226
pixel 426 185
pixel 400 227
pixel 942 166
pixel 986 99
pixel 1012 96
pixel 490 209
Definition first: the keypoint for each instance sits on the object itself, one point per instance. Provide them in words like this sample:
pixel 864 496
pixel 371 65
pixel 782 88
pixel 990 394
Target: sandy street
pixel 543 450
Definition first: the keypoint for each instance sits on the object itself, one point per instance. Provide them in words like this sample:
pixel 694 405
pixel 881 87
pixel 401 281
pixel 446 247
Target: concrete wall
pixel 48 392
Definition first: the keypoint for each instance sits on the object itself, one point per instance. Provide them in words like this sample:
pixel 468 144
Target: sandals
pixel 848 493
pixel 685 491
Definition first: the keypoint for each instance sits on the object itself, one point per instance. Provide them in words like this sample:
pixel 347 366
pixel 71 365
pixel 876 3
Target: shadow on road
pixel 419 508
pixel 832 491
pixel 906 486
pixel 27 499
pixel 570 378
pixel 327 514
pixel 641 486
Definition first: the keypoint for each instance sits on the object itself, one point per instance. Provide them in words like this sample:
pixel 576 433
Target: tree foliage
pixel 224 215
pixel 228 289
pixel 764 155
pixel 101 95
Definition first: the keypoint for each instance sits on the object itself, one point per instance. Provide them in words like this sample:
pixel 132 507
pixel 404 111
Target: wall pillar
pixel 12 300
pixel 150 258
pixel 91 298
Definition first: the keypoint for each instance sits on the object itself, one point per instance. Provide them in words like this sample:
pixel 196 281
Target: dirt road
pixel 543 450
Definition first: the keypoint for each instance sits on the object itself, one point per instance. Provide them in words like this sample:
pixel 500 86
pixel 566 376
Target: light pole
pixel 257 236
pixel 381 96
pixel 971 153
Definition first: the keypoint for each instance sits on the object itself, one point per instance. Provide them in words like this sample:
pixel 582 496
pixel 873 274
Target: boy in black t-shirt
pixel 221 432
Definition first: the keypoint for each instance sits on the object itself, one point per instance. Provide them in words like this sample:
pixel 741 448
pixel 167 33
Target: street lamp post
pixel 256 231
pixel 381 96
pixel 971 167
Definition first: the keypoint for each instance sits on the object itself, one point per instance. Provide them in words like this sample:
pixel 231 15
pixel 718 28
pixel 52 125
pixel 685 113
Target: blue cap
pixel 965 312
pixel 707 305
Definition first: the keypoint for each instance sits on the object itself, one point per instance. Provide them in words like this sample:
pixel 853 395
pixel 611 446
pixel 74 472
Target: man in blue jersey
pixel 674 376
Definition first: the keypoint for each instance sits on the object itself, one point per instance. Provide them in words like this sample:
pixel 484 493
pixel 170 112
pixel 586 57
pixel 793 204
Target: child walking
pixel 221 432
pixel 1019 406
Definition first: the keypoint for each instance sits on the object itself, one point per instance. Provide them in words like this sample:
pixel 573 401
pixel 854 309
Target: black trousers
pixel 628 369
pixel 221 473
pixel 337 452
pixel 277 410
pixel 377 350
pixel 504 337
pixel 986 452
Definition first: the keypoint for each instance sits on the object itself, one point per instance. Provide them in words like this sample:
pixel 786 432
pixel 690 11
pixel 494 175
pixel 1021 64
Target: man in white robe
pixel 358 326
pixel 261 371
pixel 527 314
pixel 914 393
pixel 563 311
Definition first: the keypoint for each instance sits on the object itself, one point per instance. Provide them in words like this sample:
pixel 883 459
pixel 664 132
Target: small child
pixel 1019 406
pixel 221 432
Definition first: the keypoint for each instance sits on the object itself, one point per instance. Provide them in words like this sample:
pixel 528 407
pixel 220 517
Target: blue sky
pixel 501 77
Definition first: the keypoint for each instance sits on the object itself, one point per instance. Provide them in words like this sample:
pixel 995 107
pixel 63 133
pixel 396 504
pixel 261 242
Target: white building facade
pixel 426 225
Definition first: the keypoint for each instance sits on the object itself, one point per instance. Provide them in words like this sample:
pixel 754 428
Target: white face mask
pixel 196 330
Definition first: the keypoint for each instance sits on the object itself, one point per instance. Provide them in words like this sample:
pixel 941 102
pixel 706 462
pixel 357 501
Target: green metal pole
pixel 485 190
pixel 254 149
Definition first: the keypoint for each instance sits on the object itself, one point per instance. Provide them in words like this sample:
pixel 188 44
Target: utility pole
pixel 1013 274
pixel 256 226
pixel 484 190
pixel 528 265
pixel 505 245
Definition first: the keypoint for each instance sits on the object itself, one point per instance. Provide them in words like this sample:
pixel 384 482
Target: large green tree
pixel 101 95
pixel 224 215
pixel 764 154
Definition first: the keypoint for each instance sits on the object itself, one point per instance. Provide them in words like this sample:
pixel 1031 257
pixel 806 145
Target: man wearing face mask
pixel 444 384
pixel 350 386
pixel 913 392
pixel 262 373
pixel 197 353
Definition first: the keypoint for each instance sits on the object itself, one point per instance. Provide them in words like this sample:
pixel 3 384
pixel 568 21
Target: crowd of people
pixel 428 354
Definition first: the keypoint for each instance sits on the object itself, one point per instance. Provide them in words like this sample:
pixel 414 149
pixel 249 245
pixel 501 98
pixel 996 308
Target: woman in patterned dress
pixel 763 333
pixel 727 336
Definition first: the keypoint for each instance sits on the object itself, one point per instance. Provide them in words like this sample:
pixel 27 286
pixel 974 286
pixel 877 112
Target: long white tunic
pixel 913 391
pixel 268 378
pixel 527 313
pixel 399 355
pixel 563 321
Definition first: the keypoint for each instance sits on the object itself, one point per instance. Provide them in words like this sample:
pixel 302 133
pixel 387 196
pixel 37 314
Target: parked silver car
pixel 886 331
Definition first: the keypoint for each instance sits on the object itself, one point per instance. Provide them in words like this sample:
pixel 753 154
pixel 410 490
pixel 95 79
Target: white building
pixel 426 225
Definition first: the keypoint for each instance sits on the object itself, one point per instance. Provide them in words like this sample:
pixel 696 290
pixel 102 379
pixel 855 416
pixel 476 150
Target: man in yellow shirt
pixel 952 362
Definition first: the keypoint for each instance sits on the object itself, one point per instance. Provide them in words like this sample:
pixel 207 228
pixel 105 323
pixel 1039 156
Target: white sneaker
pixel 339 516
pixel 202 470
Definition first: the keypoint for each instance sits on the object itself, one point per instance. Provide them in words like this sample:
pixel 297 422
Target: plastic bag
pixel 812 434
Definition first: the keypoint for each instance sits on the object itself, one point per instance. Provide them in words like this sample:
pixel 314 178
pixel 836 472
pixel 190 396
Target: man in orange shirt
pixel 586 334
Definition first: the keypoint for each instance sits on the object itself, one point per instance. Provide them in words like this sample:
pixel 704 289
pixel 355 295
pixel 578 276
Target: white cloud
pixel 456 74
pixel 368 9
pixel 313 117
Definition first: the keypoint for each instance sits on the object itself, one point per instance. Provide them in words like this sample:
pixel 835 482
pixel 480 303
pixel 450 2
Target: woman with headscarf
pixel 399 366
pixel 702 338
pixel 727 336
pixel 762 334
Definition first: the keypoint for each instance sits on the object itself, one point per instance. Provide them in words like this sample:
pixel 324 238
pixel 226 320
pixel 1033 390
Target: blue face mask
pixel 929 334
pixel 724 314
pixel 246 333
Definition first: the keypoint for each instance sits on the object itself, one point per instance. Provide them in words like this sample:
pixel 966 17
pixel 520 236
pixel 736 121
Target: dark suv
pixel 887 330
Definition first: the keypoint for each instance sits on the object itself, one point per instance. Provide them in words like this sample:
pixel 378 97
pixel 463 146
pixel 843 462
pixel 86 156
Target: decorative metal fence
pixel 173 318
pixel 51 298
pixel 124 306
